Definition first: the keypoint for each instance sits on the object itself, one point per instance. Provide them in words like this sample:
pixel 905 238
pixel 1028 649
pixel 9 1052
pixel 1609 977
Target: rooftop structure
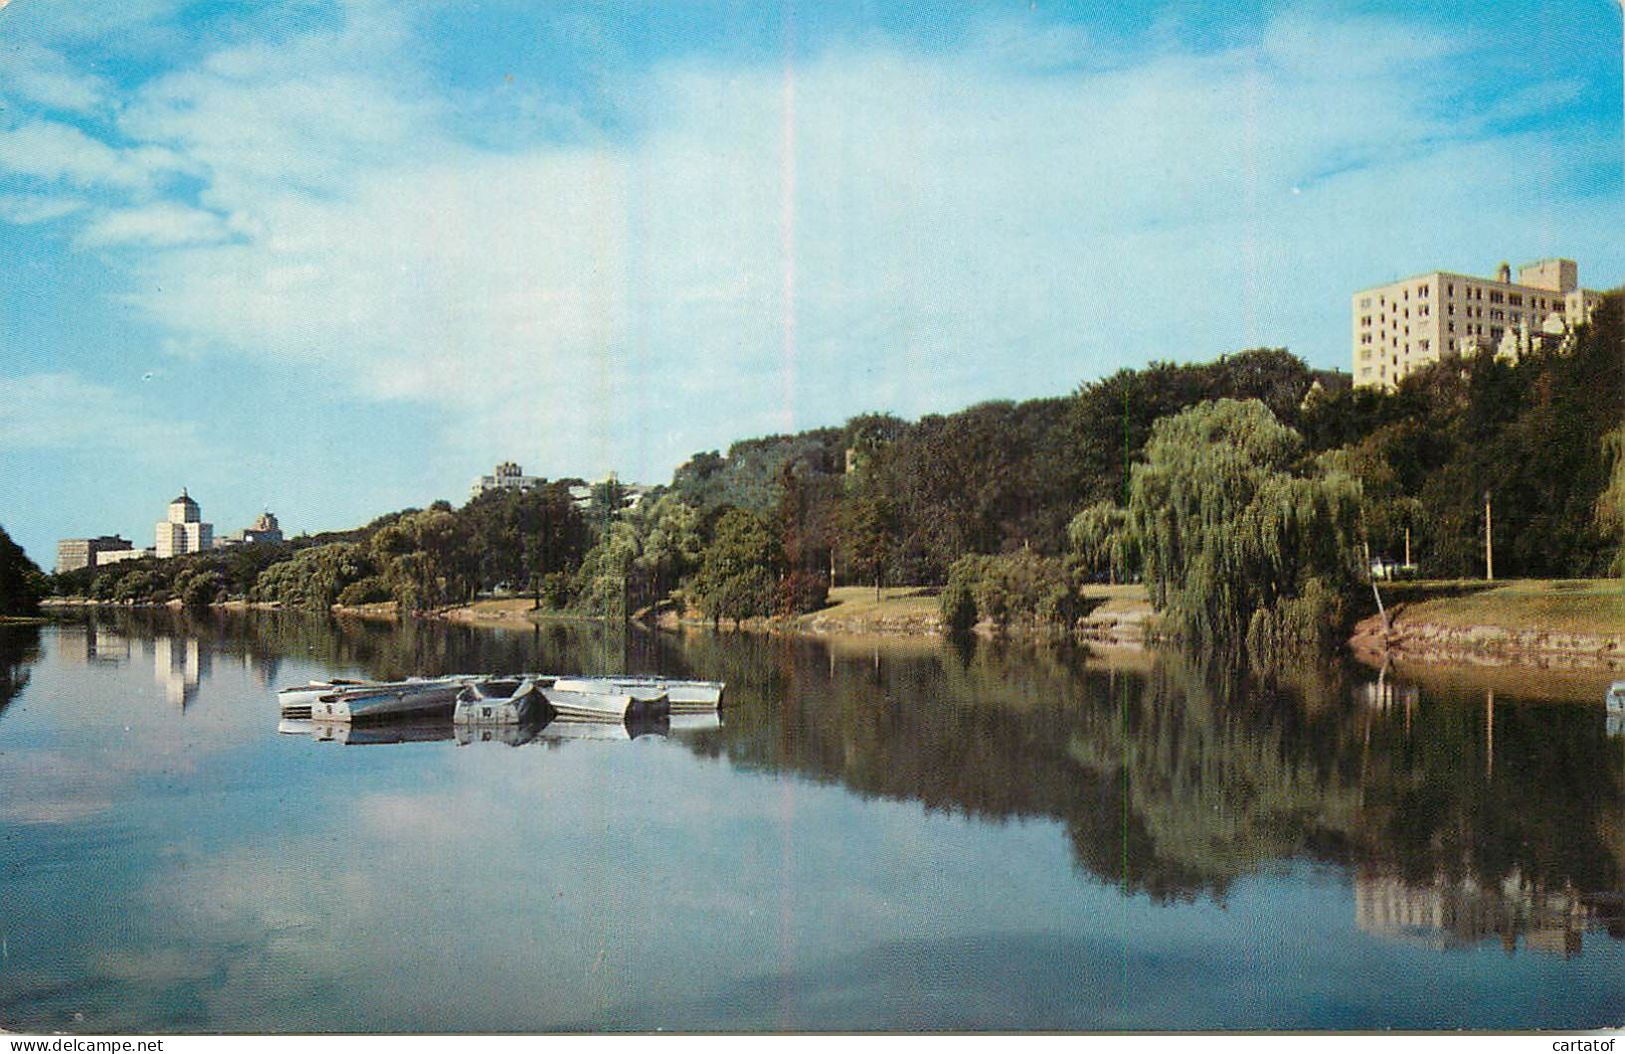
pixel 183 530
pixel 264 529
pixel 508 476
pixel 1403 326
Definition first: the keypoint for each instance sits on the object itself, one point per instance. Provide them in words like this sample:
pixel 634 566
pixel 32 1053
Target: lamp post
pixel 1489 541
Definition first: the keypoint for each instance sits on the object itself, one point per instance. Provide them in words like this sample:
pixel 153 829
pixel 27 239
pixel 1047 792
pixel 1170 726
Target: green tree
pixel 313 579
pixel 22 584
pixel 1101 535
pixel 741 569
pixel 1239 545
pixel 868 530
pixel 429 559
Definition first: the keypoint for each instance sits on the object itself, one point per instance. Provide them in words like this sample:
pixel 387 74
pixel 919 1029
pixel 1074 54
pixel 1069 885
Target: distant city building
pixel 632 494
pixel 508 476
pixel 265 529
pixel 74 553
pixel 1406 325
pixel 184 530
pixel 118 556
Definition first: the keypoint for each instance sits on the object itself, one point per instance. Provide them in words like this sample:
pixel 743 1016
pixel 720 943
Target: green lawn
pixel 858 603
pixel 1584 606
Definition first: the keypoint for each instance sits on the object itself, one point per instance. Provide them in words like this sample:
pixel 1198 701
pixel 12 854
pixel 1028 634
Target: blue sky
pixel 336 258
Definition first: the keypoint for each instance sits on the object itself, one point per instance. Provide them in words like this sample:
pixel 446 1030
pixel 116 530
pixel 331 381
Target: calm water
pixel 913 837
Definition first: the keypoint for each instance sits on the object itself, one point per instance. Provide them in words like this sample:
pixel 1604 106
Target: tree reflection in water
pixel 1459 815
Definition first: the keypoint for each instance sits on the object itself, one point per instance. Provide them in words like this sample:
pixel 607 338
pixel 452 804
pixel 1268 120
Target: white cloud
pixel 44 76
pixel 60 410
pixel 158 225
pixel 61 153
pixel 874 228
pixel 25 209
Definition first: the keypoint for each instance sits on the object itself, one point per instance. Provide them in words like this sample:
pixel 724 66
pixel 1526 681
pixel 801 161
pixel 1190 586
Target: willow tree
pixel 1238 543
pixel 1102 535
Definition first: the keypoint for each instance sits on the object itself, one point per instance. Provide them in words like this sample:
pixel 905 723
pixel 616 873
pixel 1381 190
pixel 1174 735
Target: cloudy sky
pixel 336 257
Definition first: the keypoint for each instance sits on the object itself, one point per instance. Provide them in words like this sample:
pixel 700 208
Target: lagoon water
pixel 875 836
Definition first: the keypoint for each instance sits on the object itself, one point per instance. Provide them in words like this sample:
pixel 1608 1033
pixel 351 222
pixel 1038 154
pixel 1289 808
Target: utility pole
pixel 1489 541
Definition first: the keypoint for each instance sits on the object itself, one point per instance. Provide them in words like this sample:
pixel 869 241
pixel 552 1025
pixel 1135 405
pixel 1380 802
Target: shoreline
pixel 1555 626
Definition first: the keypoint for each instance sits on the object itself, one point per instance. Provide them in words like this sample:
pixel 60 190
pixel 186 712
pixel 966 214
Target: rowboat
pixel 683 696
pixel 380 702
pixel 607 706
pixel 300 700
pixel 495 702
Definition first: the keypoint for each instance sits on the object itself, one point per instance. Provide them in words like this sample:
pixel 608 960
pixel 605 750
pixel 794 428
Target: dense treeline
pixel 1245 490
pixel 22 585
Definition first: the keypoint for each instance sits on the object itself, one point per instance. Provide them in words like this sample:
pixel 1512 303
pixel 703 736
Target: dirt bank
pixel 1544 624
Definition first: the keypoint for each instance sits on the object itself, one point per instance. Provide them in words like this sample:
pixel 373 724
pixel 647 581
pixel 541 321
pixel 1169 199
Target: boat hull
pixel 681 696
pixel 426 699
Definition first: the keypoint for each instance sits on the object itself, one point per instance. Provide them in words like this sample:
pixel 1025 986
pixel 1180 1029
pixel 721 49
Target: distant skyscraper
pixel 184 531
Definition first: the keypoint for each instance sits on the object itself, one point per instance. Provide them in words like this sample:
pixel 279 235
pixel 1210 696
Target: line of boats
pixel 540 730
pixel 489 699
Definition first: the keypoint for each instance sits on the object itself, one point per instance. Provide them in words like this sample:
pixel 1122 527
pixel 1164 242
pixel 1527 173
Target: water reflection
pixel 19 648
pixel 846 790
pixel 1172 777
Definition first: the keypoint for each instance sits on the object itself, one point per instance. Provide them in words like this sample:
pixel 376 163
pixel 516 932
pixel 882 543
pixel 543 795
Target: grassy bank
pixel 1585 607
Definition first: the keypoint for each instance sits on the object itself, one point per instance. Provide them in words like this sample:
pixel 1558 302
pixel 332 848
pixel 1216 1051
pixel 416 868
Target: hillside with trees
pixel 1246 491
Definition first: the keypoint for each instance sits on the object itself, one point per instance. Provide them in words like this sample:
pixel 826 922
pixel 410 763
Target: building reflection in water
pixel 92 644
pixel 1446 914
pixel 178 665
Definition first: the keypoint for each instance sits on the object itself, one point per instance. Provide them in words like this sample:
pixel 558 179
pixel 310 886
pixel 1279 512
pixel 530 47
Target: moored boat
pixel 636 702
pixel 379 702
pixel 496 702
pixel 681 696
pixel 296 702
pixel 299 701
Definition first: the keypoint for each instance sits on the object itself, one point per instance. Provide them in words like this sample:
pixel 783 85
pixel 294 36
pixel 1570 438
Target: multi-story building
pixel 74 553
pixel 1406 325
pixel 184 530
pixel 118 556
pixel 509 476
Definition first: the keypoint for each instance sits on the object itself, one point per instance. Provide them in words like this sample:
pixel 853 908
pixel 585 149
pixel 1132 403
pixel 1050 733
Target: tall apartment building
pixel 184 530
pixel 1406 325
pixel 74 553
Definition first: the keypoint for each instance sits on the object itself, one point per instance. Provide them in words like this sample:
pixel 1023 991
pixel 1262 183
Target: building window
pixel 1496 297
pixel 1515 299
